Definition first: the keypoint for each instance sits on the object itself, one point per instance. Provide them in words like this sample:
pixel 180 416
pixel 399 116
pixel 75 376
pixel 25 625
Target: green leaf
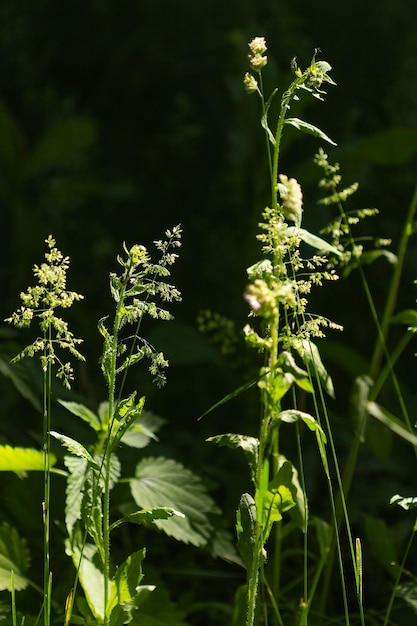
pixel 312 359
pixel 83 412
pixel 264 118
pixel 126 594
pixel 386 418
pixel 75 447
pixel 143 430
pixel 368 257
pixel 146 516
pixel 126 414
pixel 88 564
pixel 230 396
pixel 158 610
pixel 14 557
pixel 77 468
pixel 280 496
pixel 305 127
pixel 21 460
pixel 18 374
pixel 248 444
pixel 246 530
pixel 161 482
pixel 408 317
pixel 294 415
pixel 314 241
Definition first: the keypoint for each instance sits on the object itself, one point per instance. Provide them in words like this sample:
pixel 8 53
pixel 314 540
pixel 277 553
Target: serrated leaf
pixel 75 447
pixel 248 444
pixel 143 430
pixel 305 127
pixel 127 413
pixel 161 482
pixel 158 610
pixel 14 556
pixel 22 460
pixel 83 412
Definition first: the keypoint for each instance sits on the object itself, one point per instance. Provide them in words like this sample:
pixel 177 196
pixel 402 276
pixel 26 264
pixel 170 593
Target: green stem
pixel 47 379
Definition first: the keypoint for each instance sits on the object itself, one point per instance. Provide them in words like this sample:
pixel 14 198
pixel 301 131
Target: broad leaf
pixel 314 241
pixel 14 557
pixel 248 444
pixel 88 563
pixel 161 482
pixel 308 128
pixel 280 496
pixel 125 595
pixel 127 413
pixel 143 430
pixel 158 610
pixel 83 412
pixel 21 460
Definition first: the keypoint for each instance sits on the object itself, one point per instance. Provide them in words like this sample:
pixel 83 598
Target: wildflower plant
pixel 40 303
pixel 284 332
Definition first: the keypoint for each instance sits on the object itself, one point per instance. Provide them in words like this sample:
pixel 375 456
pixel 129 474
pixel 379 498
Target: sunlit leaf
pixel 248 444
pixel 21 460
pixel 83 412
pixel 308 128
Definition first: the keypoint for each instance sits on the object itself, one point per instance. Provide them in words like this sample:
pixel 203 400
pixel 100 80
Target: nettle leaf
pixel 83 412
pixel 280 496
pixel 143 430
pixel 305 127
pixel 75 447
pixel 248 444
pixel 14 557
pixel 22 460
pixel 161 482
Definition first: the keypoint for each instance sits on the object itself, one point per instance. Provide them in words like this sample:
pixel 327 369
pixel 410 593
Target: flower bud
pixel 250 83
pixel 292 199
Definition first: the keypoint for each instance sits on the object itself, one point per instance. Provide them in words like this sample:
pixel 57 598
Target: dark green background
pixel 121 119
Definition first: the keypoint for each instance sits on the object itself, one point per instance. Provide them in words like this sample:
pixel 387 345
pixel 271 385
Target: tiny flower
pixel 257 62
pixel 250 83
pixel 257 46
pixel 292 198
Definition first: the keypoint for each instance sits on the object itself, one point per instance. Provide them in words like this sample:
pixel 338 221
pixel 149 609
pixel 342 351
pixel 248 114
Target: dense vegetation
pixel 120 120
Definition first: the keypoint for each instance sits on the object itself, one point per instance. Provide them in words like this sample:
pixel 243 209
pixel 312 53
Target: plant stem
pixel 47 379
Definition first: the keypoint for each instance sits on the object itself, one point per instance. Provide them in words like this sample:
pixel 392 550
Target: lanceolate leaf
pixel 308 128
pixel 264 118
pixel 386 418
pixel 312 359
pixel 14 556
pixel 21 460
pixel 316 242
pixel 246 529
pixel 75 447
pixel 294 415
pixel 145 516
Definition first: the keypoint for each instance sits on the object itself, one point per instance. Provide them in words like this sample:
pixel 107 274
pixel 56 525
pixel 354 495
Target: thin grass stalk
pixel 47 382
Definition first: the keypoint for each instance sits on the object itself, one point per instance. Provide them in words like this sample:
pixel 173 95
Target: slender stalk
pixel 47 381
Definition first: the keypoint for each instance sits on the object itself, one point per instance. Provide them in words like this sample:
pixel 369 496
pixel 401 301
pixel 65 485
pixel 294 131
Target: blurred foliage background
pixel 121 119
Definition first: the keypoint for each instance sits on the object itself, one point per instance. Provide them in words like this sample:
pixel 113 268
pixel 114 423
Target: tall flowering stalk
pixel 40 303
pixel 283 331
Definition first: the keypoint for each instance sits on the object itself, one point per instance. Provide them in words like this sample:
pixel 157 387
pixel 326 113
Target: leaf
pixel 146 516
pixel 315 242
pixel 74 490
pixel 142 430
pixel 126 594
pixel 126 414
pixel 408 317
pixel 230 396
pixel 248 444
pixel 386 418
pixel 161 482
pixel 14 557
pixel 74 447
pixel 264 118
pixel 246 530
pixel 280 496
pixel 88 564
pixel 83 412
pixel 21 460
pixel 368 257
pixel 18 374
pixel 312 359
pixel 158 610
pixel 305 127
pixel 294 415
